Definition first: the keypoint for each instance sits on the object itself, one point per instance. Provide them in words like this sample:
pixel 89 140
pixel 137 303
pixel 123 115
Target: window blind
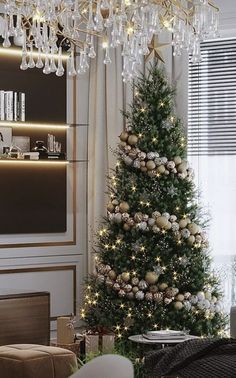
pixel 212 100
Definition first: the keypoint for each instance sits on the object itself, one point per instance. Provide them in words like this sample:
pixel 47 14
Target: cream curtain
pixel 108 95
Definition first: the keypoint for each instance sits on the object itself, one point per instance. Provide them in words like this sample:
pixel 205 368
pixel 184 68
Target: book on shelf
pixel 12 106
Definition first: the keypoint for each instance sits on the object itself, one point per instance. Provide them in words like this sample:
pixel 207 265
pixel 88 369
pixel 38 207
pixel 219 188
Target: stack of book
pixel 12 106
pixel 165 335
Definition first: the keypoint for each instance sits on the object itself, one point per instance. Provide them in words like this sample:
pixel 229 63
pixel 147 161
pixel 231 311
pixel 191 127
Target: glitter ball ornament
pixel 128 160
pixel 127 288
pixel 194 299
pixel 151 155
pixel 185 233
pixel 116 286
pixel 156 214
pixel 167 301
pixel 157 161
pixel 121 293
pixel 175 226
pixel 135 281
pixel 125 217
pixel 136 164
pixel 151 222
pixel 201 295
pixel 149 297
pixel 187 305
pixel 173 218
pixel 142 285
pixel 139 295
pixel 153 289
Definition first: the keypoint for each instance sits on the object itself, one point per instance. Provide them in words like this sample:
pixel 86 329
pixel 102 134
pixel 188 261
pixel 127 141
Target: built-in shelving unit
pixel 34 192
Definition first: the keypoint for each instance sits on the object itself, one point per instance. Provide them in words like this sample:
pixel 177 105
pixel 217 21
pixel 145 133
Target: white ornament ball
pixel 157 161
pixel 185 233
pixel 187 305
pixel 175 226
pixel 167 301
pixel 155 229
pixel 173 218
pixel 128 288
pixel 142 155
pixel 151 222
pixel 164 160
pixel 125 217
pixel 166 215
pixel 128 160
pixel 194 299
pixel 116 286
pixel 135 281
pixel 170 165
pixel 187 295
pixel 151 155
pixel 139 295
pixel 136 164
pixel 145 217
pixel 142 226
pixel 156 214
pixel 201 295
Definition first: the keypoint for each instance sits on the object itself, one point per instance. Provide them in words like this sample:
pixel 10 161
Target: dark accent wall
pixel 33 196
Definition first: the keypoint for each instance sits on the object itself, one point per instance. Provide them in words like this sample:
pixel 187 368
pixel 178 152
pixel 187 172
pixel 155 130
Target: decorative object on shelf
pixel 12 106
pixel 47 25
pixel 41 149
pixel 23 142
pixel 65 330
pixel 5 139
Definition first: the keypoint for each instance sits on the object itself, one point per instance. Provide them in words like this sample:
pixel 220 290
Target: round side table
pixel 143 340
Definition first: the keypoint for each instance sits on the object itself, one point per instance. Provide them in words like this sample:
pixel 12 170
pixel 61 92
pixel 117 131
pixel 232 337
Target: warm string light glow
pixel 33 125
pixel 44 28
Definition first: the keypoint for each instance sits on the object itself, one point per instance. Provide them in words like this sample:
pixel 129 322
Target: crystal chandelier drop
pixel 43 27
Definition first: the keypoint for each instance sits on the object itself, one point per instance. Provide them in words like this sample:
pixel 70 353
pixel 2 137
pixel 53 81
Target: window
pixel 212 149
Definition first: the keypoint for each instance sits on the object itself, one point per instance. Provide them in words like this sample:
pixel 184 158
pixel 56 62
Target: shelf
pixel 33 125
pixel 40 161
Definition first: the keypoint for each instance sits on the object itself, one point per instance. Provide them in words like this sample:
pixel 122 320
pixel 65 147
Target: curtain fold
pixel 108 96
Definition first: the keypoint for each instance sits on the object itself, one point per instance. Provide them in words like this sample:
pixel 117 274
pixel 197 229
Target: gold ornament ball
pixel 150 165
pixel 153 289
pixel 110 207
pixel 132 140
pixel 124 207
pixel 143 169
pixel 161 169
pixel 193 228
pixel 151 278
pixel 163 286
pixel 162 222
pixel 183 223
pixel 168 226
pixel 142 164
pixel 178 305
pixel 126 227
pixel 125 276
pixel 112 275
pixel 191 239
pixel 124 136
pixel 180 298
pixel 177 160
pixel 135 289
pixel 182 167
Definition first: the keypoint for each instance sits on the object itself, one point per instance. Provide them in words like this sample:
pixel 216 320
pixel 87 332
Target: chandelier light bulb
pixel 48 27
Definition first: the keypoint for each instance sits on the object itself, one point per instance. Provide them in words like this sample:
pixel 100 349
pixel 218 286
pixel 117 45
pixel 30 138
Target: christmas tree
pixel 152 259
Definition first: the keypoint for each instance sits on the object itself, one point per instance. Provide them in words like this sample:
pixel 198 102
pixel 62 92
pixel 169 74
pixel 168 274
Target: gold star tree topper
pixel 155 50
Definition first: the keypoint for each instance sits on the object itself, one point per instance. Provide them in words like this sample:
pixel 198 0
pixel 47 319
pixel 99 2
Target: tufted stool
pixel 36 361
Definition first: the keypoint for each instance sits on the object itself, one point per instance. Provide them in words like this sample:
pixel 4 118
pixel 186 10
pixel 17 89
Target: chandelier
pixel 44 26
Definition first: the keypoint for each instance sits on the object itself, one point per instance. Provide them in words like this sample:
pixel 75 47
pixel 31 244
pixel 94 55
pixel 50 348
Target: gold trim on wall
pixel 49 269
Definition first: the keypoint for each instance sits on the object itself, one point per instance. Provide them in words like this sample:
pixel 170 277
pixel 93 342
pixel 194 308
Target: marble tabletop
pixel 143 340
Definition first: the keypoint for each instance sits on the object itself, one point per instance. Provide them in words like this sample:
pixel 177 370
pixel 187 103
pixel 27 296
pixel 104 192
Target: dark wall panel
pixel 33 195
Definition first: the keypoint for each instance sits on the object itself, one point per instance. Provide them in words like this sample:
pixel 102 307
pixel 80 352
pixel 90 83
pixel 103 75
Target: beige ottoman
pixel 36 361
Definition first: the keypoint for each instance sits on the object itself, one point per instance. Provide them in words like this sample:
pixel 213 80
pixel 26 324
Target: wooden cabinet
pixel 24 317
